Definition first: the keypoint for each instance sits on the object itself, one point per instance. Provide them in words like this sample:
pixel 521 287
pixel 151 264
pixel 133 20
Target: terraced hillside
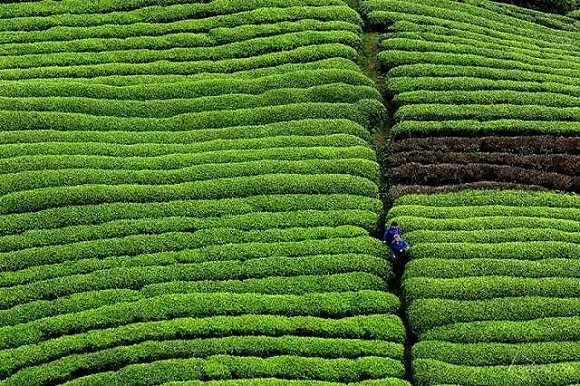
pixel 493 287
pixel 464 73
pixel 186 194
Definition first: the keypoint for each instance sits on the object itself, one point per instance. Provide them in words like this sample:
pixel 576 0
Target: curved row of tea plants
pixel 493 286
pixel 186 194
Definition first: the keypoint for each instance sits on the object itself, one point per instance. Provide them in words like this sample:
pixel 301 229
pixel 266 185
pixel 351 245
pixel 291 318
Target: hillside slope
pixel 493 287
pixel 485 95
pixel 186 193
pixel 461 72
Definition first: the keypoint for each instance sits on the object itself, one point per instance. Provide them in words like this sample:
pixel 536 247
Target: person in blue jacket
pixel 390 233
pixel 399 247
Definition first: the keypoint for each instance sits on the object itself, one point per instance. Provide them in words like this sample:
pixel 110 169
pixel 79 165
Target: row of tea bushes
pixel 492 297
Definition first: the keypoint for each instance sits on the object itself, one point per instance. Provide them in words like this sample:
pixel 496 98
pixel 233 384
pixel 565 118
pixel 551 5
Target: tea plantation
pixel 187 194
pixel 463 73
pixel 193 192
pixel 493 286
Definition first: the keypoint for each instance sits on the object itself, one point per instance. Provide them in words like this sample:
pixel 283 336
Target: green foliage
pixel 511 235
pixel 234 150
pixel 251 47
pixel 436 32
pixel 302 284
pixel 431 372
pixel 162 67
pixel 105 6
pixel 426 314
pixel 532 250
pixel 234 12
pixel 497 354
pixel 490 287
pixel 475 73
pixel 489 197
pixel 344 271
pixel 508 331
pixel 187 88
pixel 34 200
pixel 172 306
pixel 480 98
pixel 328 93
pixel 489 222
pixel 454 216
pixel 453 86
pixel 330 63
pixel 493 286
pixel 248 221
pixel 441 112
pixel 369 257
pixel 118 357
pixel 186 193
pixel 363 112
pixel 23 181
pixel 192 278
pixel 457 268
pixel 471 68
pixel 225 367
pixel 383 328
pixel 63 217
pixel 166 36
pixel 274 382
pixel 345 149
pixel 481 53
pixel 479 14
pixel 494 127
pixel 202 245
pixel 316 129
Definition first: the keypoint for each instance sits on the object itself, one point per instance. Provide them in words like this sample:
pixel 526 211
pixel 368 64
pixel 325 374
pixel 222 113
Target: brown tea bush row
pixel 556 163
pixel 445 174
pixel 522 145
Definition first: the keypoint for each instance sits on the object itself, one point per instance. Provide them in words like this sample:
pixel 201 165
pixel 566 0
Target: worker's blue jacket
pixel 390 233
pixel 399 246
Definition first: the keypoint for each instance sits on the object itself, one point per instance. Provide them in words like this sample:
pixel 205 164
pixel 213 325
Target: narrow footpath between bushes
pixel 380 141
